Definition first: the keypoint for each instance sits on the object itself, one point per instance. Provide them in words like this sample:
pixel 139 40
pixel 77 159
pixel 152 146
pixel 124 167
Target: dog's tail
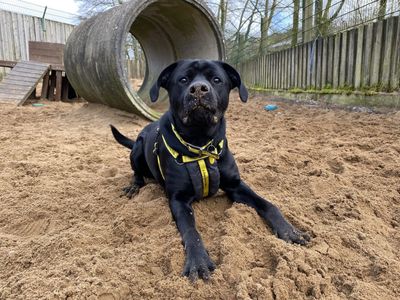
pixel 123 140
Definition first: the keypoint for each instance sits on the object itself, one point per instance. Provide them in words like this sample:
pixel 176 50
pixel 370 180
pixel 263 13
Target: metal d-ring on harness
pixel 200 155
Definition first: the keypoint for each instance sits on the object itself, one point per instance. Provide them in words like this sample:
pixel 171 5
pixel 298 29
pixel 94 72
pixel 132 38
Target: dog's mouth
pixel 200 112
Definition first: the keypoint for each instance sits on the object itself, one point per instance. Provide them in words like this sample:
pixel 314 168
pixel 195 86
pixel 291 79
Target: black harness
pixel 199 161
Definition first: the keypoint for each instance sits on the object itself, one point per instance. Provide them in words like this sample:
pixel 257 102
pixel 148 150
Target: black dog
pixel 186 151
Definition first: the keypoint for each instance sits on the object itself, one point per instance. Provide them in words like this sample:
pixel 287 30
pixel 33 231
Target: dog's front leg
pixel 269 212
pixel 198 263
pixel 239 192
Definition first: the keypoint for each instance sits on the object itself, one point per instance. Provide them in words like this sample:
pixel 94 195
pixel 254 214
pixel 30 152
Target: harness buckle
pixel 155 147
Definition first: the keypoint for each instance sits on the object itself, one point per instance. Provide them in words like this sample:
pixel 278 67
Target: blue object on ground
pixel 270 107
pixel 37 104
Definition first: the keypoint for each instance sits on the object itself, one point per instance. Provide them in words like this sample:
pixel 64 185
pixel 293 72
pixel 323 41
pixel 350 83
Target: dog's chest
pixel 204 177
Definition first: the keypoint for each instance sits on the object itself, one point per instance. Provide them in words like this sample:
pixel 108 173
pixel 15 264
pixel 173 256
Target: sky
pixel 64 5
pixel 65 11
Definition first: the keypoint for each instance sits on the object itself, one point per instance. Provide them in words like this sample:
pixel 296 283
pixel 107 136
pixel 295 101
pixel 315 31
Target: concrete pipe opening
pixel 167 30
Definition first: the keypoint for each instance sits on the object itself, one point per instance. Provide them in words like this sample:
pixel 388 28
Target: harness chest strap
pixel 212 155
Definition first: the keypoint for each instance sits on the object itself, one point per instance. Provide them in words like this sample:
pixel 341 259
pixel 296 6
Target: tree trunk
pixel 223 7
pixel 296 8
pixel 265 23
pixel 382 9
pixel 307 34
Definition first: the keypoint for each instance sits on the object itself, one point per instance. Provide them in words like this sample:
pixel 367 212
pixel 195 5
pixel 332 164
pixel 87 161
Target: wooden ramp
pixel 19 84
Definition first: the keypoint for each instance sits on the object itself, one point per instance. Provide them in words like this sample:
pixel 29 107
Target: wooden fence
pixel 16 30
pixel 136 68
pixel 364 58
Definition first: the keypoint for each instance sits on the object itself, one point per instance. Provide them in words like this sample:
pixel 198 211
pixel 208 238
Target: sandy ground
pixel 65 233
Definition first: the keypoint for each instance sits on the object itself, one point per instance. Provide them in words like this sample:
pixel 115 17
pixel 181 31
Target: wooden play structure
pixel 46 61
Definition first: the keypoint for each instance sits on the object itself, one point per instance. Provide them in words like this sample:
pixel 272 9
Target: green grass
pixel 328 90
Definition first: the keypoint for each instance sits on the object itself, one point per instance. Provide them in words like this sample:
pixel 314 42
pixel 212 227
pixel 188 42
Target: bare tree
pixel 266 18
pixel 324 18
pixel 222 13
pixel 382 9
pixel 296 11
pixel 88 8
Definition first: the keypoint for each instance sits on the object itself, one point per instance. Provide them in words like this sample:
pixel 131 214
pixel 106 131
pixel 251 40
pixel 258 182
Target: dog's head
pixel 199 90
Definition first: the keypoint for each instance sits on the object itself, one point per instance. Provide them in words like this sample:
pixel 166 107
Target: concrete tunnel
pixel 168 30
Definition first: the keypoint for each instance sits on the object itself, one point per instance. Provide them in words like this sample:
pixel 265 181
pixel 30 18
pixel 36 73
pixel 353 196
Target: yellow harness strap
pixel 204 176
pixel 194 149
pixel 201 159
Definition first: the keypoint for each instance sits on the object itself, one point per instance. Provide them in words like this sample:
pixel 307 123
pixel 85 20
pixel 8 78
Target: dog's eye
pixel 183 80
pixel 217 80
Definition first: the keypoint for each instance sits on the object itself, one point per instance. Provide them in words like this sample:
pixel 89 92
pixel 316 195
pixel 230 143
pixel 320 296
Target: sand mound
pixel 66 234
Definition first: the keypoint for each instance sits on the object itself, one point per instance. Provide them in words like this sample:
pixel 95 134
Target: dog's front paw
pixel 291 234
pixel 198 265
pixel 130 190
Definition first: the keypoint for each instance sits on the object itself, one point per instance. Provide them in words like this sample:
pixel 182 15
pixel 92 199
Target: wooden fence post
pixel 358 75
pixel 376 54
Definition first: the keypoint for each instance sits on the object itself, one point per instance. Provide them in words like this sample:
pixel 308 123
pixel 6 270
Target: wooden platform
pixel 19 84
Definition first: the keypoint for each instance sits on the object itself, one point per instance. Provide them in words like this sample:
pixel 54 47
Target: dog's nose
pixel 199 88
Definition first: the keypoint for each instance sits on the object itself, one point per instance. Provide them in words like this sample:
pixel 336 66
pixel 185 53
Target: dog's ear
pixel 161 81
pixel 235 80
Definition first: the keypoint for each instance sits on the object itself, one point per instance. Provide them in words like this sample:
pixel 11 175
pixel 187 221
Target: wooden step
pixel 19 84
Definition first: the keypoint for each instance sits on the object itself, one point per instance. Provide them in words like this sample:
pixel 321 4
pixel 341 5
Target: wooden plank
pixel 314 64
pixel 293 67
pixel 276 62
pixel 28 68
pixel 7 63
pixel 19 88
pixel 277 70
pixel 272 73
pixel 387 52
pixel 284 76
pixel 31 63
pixel 358 76
pixel 264 71
pixel 22 38
pixel 45 86
pixel 17 46
pixel 26 71
pixel 289 70
pixel 324 61
pixel 376 54
pixel 12 96
pixel 395 69
pixel 13 82
pixel 23 75
pixel 65 89
pixel 2 44
pixel 52 86
pixel 269 73
pixel 329 65
pixel 299 83
pixel 11 77
pixel 9 87
pixel 367 55
pixel 343 60
pixel 305 66
pixel 281 69
pixel 58 85
pixel 336 60
pixel 351 57
pixel 318 63
pixel 12 90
